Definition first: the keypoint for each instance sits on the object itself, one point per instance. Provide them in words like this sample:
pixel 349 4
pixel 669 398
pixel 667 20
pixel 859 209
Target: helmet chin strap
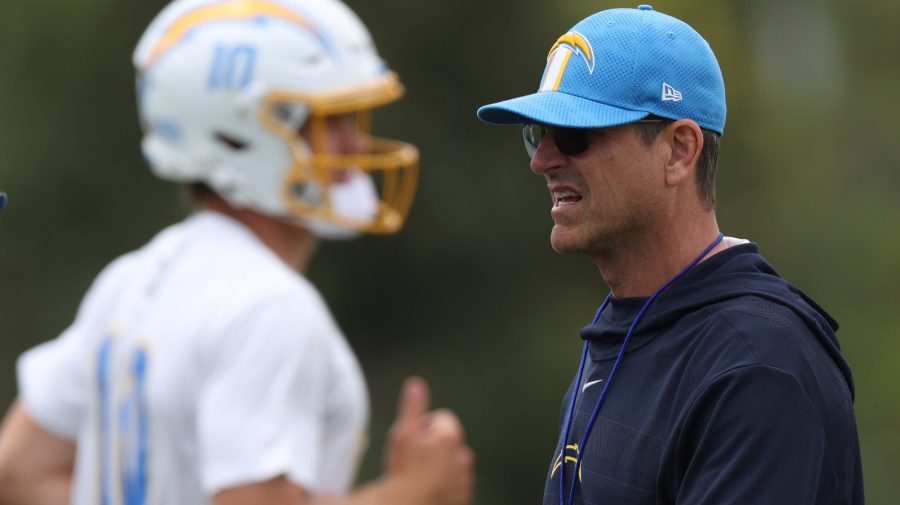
pixel 356 198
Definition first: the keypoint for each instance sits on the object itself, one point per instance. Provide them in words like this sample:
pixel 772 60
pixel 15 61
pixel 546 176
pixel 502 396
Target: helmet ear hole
pixel 231 142
pixel 291 115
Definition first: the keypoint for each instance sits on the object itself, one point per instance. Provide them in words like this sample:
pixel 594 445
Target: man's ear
pixel 685 140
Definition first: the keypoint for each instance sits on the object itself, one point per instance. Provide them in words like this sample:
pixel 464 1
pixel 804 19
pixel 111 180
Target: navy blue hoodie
pixel 732 390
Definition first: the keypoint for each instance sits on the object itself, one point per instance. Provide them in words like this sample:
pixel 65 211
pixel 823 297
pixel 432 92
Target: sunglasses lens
pixel 570 141
pixel 532 135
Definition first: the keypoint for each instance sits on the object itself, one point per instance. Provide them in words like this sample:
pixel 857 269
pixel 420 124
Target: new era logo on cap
pixel 670 94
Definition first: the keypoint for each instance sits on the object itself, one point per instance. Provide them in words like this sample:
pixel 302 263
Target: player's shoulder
pixel 225 256
pixel 205 261
pixel 128 268
pixel 224 262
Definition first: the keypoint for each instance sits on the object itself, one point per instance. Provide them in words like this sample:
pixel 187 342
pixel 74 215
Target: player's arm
pixel 427 463
pixel 35 464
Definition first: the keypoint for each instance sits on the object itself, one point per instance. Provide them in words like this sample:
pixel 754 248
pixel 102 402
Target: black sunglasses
pixel 569 141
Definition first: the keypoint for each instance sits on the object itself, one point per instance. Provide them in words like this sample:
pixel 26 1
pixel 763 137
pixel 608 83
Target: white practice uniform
pixel 197 363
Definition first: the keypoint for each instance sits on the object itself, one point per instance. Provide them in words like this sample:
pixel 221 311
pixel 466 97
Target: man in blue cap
pixel 705 377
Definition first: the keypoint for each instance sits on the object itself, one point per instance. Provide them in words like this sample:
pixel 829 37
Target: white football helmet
pixel 224 87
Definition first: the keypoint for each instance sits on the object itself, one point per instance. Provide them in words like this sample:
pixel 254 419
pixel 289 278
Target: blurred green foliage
pixel 470 294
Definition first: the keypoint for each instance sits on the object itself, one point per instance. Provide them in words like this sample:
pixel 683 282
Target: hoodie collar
pixel 735 272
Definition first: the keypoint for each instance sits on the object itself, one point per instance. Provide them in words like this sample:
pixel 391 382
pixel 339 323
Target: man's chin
pixel 564 243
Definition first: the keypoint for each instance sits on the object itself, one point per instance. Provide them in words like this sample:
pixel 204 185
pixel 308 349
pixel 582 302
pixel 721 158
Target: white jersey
pixel 197 363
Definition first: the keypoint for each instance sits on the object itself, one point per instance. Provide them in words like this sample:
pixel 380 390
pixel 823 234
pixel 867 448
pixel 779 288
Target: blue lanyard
pixel 612 373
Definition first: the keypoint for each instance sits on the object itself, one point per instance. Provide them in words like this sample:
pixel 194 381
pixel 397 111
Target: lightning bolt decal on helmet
pixel 224 88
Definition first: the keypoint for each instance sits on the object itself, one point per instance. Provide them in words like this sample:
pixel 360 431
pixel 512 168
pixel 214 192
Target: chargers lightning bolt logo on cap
pixel 558 59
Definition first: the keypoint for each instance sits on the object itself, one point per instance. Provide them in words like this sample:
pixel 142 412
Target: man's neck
pixel 294 244
pixel 642 267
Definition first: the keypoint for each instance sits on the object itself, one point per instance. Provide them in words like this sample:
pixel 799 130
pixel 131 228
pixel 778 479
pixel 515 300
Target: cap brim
pixel 557 109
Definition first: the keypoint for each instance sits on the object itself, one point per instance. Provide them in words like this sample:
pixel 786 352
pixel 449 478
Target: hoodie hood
pixel 738 271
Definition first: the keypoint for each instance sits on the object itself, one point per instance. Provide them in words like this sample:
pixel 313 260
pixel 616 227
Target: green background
pixel 470 295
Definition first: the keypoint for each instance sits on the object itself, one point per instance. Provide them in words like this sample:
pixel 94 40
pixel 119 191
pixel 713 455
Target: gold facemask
pixel 393 165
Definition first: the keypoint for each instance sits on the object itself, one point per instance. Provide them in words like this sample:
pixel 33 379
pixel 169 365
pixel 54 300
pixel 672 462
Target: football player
pixel 202 368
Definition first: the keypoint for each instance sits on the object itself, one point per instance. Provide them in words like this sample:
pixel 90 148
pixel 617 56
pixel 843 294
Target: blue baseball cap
pixel 618 66
pixel 2 200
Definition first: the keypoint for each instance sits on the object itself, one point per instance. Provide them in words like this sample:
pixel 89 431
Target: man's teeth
pixel 561 196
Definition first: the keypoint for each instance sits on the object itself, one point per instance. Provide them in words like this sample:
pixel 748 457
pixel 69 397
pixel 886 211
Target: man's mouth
pixel 563 198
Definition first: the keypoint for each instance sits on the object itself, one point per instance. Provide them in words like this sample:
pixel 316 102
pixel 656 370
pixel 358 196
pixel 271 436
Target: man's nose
pixel 547 156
